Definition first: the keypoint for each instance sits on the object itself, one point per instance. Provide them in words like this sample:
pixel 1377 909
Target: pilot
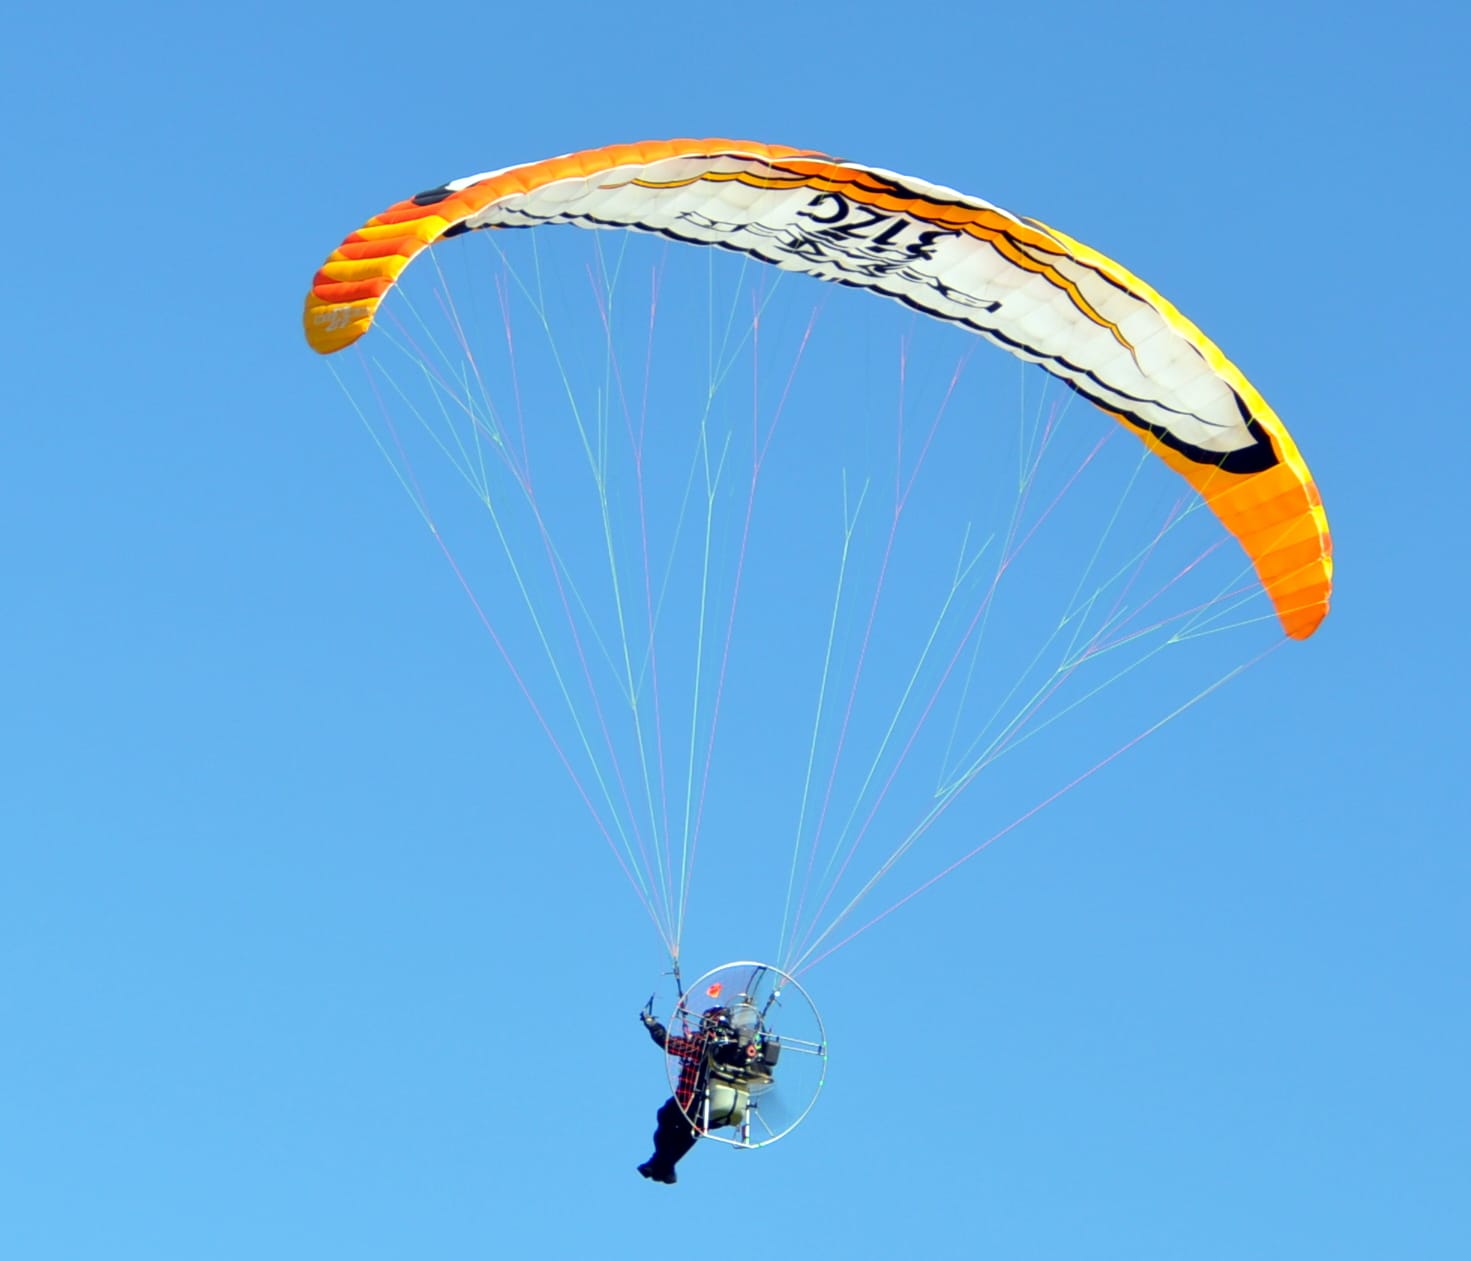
pixel 715 1041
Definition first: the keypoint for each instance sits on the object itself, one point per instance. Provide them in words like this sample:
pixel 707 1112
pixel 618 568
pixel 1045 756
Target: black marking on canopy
pixel 1258 457
pixel 432 196
pixel 895 187
pixel 1255 458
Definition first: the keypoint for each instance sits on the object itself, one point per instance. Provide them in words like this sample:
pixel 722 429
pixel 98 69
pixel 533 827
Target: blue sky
pixel 304 946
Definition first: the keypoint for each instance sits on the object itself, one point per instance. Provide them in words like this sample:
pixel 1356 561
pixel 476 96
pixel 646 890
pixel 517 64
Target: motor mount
pixel 763 1053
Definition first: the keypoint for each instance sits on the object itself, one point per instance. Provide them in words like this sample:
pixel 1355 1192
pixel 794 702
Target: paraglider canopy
pixel 1036 292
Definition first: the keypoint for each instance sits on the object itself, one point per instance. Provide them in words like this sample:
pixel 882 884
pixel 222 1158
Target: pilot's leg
pixel 672 1141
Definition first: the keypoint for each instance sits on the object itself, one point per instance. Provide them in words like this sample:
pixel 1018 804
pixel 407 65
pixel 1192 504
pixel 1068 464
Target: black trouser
pixel 674 1137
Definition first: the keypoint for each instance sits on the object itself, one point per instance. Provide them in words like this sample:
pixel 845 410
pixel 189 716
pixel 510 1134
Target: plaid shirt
pixel 692 1067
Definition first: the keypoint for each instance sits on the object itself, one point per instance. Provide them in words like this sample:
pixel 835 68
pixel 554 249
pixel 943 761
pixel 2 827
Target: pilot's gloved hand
pixel 647 1019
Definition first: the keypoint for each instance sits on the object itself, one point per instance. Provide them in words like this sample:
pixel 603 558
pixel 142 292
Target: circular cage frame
pixel 765 986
